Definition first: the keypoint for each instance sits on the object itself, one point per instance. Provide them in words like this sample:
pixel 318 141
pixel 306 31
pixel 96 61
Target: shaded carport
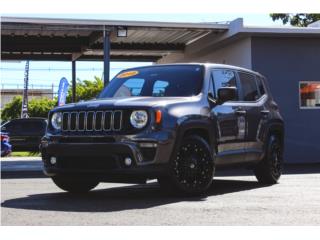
pixel 44 39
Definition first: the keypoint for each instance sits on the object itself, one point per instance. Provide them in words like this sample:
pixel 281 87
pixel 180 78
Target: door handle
pixel 241 112
pixel 265 112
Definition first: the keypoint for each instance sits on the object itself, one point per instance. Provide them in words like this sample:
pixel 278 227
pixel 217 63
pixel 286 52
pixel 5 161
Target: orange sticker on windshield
pixel 127 74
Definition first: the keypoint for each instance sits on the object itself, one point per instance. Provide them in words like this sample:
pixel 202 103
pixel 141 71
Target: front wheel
pixel 75 184
pixel 269 170
pixel 191 168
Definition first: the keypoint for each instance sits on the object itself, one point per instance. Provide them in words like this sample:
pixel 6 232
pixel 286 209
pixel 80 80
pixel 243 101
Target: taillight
pixel 4 138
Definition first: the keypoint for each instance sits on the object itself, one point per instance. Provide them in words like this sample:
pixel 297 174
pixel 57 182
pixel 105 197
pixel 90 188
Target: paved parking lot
pixel 232 200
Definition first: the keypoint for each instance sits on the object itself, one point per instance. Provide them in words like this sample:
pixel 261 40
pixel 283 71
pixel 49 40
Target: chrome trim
pixel 120 126
pixel 84 121
pixel 96 122
pixel 94 119
pixel 104 115
pixel 70 121
pixel 63 128
pixel 87 121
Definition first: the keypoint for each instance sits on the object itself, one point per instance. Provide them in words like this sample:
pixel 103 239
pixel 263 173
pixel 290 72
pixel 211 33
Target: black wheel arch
pixel 202 127
pixel 275 128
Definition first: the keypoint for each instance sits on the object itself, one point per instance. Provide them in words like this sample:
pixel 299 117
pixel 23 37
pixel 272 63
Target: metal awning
pixel 76 39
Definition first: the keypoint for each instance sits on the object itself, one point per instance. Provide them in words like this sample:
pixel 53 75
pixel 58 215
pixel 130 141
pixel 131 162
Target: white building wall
pixel 7 95
pixel 237 53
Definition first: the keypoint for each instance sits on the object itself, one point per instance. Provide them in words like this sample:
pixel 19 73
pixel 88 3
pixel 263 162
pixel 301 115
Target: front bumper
pixel 105 160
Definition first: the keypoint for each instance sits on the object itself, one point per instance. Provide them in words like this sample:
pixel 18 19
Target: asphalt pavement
pixel 32 199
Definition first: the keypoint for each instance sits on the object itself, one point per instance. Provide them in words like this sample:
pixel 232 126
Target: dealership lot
pixel 239 200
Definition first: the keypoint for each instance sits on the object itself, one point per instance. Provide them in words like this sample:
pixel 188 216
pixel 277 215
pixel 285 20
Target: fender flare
pixel 275 126
pixel 197 123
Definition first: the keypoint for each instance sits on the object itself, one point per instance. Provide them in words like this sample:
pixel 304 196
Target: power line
pixel 59 69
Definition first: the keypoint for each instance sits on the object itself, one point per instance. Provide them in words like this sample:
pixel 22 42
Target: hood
pixel 128 102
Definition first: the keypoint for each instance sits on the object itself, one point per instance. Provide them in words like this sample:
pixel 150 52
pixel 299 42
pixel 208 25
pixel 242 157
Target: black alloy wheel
pixel 192 167
pixel 269 170
pixel 276 161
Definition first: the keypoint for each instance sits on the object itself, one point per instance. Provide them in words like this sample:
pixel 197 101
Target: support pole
pixel 24 111
pixel 74 81
pixel 106 57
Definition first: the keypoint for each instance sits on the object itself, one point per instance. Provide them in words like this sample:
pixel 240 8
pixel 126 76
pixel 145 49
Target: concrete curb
pixel 18 167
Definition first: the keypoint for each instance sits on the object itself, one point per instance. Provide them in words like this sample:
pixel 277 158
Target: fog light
pixel 53 160
pixel 127 161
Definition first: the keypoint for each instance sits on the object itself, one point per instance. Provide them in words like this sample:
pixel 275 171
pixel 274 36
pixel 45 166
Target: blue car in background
pixel 25 133
pixel 6 147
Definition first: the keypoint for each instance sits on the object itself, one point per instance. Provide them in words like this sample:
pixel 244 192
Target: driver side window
pixel 222 78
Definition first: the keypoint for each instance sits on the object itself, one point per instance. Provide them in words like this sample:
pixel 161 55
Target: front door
pixel 252 101
pixel 229 119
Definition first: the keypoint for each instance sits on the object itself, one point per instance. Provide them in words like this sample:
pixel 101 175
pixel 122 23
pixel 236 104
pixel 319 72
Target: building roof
pixel 67 39
pixel 82 39
pixel 237 31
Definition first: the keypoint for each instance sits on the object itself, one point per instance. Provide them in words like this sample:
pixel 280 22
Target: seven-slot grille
pixel 92 121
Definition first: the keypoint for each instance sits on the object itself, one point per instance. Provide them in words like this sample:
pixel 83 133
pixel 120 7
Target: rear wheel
pixel 191 168
pixel 75 184
pixel 269 170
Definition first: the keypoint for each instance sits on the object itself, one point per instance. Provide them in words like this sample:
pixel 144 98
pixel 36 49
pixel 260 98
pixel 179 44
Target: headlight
pixel 139 119
pixel 56 120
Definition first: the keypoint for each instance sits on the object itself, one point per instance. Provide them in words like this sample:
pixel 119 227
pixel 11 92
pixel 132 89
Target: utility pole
pixel 24 110
pixel 106 57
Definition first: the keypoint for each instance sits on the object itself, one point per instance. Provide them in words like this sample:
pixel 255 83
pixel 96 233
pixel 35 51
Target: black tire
pixel 269 170
pixel 191 168
pixel 75 184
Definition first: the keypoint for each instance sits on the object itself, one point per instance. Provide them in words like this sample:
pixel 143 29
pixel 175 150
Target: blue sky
pixel 48 73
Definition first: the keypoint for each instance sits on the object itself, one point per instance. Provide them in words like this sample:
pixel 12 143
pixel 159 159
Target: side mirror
pixel 226 94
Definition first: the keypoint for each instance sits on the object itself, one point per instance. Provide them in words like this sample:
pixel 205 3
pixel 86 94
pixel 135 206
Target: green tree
pixel 41 107
pixel 296 19
pixel 12 109
pixel 36 108
pixel 86 89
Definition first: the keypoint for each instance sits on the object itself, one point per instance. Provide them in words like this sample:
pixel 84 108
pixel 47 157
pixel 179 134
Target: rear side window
pixel 249 87
pixel 261 86
pixel 223 78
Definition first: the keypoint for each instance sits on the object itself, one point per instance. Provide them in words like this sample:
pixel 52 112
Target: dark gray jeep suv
pixel 176 123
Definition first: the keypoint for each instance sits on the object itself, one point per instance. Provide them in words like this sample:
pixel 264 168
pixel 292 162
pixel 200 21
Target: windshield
pixel 157 81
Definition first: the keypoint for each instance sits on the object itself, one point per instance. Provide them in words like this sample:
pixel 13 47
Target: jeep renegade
pixel 175 123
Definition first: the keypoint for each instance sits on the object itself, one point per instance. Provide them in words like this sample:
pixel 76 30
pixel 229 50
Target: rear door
pixel 252 98
pixel 229 120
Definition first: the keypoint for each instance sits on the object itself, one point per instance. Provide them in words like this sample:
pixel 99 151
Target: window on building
pixel 249 87
pixel 223 78
pixel 309 94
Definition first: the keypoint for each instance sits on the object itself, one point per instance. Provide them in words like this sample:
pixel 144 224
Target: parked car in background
pixel 5 145
pixel 25 133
